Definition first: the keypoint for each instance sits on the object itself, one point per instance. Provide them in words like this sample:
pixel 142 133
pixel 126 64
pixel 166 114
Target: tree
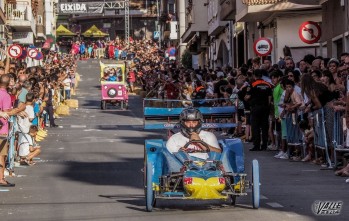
pixel 186 59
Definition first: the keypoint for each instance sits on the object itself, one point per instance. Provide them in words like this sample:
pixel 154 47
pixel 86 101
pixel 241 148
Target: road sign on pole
pixel 262 47
pixel 156 34
pixel 309 32
pixel 15 51
pixel 32 53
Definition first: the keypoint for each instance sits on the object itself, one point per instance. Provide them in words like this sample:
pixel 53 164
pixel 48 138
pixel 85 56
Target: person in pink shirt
pixel 5 105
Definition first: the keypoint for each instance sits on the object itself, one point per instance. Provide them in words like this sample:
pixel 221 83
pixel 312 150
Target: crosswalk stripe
pixel 275 205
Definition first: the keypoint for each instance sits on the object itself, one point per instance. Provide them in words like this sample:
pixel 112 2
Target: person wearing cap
pixel 191 143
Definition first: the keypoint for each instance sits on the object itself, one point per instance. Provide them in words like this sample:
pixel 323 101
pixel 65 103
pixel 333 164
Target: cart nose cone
pixel 199 188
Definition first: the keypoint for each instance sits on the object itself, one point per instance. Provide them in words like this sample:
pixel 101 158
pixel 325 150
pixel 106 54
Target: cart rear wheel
pixel 149 192
pixel 103 105
pixel 232 200
pixel 255 184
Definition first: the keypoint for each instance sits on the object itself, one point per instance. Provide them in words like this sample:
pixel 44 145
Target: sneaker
pixel 224 134
pixel 272 147
pixel 284 156
pixel 279 154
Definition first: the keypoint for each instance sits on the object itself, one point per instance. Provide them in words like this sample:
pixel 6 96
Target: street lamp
pixel 145 30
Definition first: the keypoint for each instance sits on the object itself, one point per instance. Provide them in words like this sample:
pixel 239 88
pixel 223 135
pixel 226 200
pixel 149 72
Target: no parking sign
pixel 309 32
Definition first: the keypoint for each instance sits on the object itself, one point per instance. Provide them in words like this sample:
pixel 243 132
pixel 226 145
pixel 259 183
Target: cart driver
pixel 191 122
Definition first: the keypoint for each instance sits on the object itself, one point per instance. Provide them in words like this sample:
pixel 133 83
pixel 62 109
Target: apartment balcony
pixel 196 18
pixel 171 30
pixel 228 9
pixel 254 13
pixel 20 18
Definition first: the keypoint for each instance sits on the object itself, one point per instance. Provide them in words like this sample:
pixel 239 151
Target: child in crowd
pixel 24 123
pixel 28 148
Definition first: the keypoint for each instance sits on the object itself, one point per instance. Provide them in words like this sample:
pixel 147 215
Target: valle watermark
pixel 327 208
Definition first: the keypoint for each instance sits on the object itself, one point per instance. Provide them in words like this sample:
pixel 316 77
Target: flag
pixel 50 40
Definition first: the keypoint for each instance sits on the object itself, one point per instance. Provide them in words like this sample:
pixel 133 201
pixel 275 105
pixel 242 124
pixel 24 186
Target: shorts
pixel 283 129
pixel 241 114
pixel 248 117
pixel 3 146
pixel 276 125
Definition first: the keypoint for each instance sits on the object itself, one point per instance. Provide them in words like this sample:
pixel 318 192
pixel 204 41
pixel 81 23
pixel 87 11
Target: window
pixel 171 8
pixel 40 20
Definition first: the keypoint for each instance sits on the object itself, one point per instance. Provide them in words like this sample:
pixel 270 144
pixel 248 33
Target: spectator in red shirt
pixel 131 79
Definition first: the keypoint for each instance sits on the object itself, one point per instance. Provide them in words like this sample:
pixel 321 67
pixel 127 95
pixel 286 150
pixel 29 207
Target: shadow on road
pixel 125 172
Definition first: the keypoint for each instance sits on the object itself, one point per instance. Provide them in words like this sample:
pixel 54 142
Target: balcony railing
pixel 261 2
pixel 20 14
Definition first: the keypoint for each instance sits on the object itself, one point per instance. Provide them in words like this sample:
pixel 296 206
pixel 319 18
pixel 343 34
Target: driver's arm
pixel 213 139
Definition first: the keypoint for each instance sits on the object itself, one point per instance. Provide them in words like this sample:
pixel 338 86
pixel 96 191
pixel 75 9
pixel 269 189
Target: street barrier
pixel 320 139
pixel 11 140
pixel 100 52
pixel 339 143
pixel 294 134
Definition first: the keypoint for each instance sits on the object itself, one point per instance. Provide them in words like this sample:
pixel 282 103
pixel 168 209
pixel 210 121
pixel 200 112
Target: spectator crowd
pixel 278 106
pixel 29 98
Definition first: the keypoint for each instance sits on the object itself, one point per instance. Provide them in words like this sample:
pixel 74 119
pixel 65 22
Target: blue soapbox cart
pixel 217 182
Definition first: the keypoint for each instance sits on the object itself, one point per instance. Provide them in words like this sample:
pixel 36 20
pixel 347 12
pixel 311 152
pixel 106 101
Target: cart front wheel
pixel 255 184
pixel 149 192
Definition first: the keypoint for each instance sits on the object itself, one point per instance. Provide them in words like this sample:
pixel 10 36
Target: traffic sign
pixel 309 32
pixel 24 54
pixel 32 53
pixel 15 51
pixel 156 34
pixel 39 56
pixel 262 46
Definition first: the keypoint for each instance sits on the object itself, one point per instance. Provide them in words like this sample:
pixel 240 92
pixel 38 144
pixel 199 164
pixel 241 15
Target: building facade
pixel 233 26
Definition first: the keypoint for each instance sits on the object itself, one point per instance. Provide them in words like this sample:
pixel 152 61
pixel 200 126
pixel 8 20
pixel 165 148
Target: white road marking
pixel 4 190
pixel 21 175
pixel 92 130
pixel 263 197
pixel 275 205
pixel 78 126
pixel 310 170
pixel 61 148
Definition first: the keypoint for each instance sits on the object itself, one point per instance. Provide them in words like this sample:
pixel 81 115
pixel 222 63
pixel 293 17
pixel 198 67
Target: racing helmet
pixel 190 114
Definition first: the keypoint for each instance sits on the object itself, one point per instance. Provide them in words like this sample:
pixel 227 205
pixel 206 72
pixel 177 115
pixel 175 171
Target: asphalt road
pixel 91 170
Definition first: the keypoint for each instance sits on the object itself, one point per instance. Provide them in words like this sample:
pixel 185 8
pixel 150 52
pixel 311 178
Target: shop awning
pixel 94 32
pixel 63 31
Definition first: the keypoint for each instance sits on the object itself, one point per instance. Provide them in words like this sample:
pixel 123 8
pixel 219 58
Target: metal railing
pixel 320 138
pixel 19 11
pixel 11 140
pixel 339 139
pixel 295 136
